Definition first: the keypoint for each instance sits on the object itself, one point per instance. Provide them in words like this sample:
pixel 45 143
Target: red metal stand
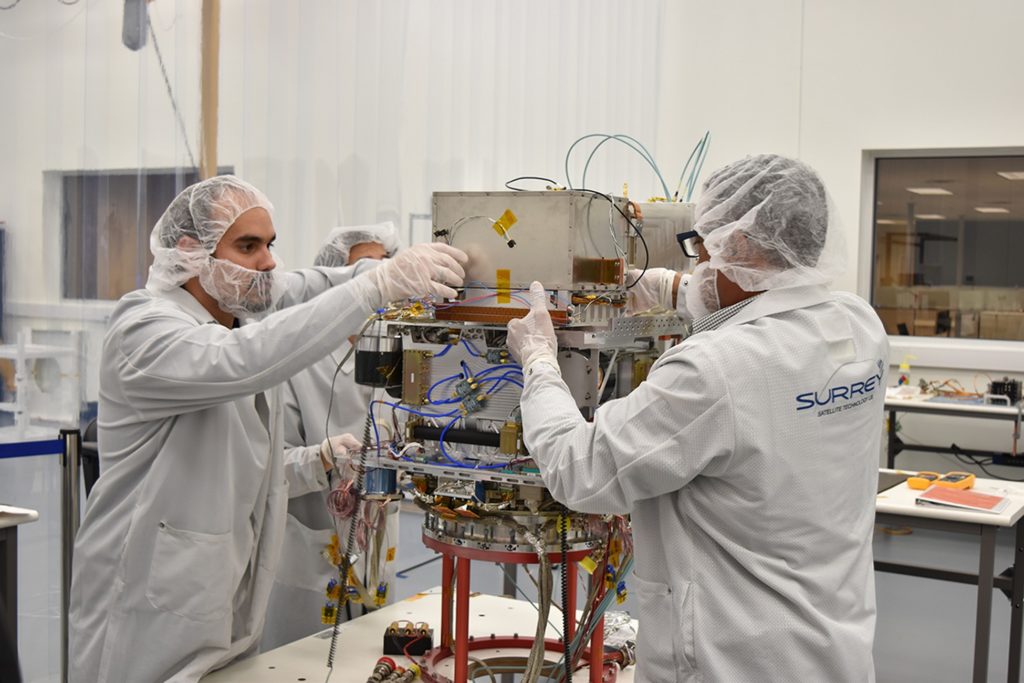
pixel 447 574
pixel 455 561
pixel 462 619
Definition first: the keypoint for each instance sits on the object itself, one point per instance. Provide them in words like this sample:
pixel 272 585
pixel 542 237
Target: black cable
pixel 10 6
pixel 975 460
pixel 563 537
pixel 630 223
pixel 350 544
pixel 553 183
pixel 607 198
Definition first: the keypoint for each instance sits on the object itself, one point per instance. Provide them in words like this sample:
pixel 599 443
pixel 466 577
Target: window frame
pixel 1003 353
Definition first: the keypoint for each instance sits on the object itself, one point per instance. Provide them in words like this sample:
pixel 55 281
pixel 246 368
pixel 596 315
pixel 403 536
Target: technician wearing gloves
pixel 657 290
pixel 749 457
pixel 183 531
pixel 299 587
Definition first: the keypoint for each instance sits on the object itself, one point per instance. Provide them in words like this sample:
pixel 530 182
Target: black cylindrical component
pixel 379 359
pixel 467 436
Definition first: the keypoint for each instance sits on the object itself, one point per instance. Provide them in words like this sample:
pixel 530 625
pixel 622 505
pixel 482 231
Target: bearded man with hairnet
pixel 328 386
pixel 182 533
pixel 748 459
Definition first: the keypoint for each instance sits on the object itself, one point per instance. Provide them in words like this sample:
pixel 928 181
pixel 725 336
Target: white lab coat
pixel 182 533
pixel 752 511
pixel 299 587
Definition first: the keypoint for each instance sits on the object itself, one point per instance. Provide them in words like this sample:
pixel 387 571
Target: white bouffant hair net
pixel 765 221
pixel 202 212
pixel 339 243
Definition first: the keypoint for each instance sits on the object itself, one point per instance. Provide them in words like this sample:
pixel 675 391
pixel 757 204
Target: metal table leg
pixel 1016 610
pixel 9 581
pixel 983 626
pixel 890 453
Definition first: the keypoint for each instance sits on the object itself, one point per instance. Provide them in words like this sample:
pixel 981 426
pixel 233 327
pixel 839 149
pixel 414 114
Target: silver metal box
pixel 572 240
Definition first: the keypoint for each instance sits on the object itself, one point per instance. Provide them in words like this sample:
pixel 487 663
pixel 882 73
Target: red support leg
pixel 462 620
pixel 447 597
pixel 597 653
pixel 571 606
pixel 597 639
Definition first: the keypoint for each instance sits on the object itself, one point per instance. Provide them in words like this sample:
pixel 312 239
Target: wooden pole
pixel 209 89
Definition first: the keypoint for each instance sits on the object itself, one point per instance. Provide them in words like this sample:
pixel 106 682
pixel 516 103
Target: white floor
pixel 925 628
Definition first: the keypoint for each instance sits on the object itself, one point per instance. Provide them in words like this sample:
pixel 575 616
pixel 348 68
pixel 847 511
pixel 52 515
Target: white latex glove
pixel 654 290
pixel 418 271
pixel 532 338
pixel 337 451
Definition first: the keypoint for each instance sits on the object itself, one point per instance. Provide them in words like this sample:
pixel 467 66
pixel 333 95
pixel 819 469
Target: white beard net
pixel 702 292
pixel 241 291
pixel 200 214
pixel 766 223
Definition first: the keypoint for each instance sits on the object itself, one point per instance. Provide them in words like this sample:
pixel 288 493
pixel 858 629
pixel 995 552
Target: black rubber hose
pixel 467 436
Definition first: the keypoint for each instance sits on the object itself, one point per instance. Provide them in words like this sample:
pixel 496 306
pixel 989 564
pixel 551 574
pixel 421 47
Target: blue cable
pixel 496 368
pixel 472 349
pixel 446 350
pixel 435 385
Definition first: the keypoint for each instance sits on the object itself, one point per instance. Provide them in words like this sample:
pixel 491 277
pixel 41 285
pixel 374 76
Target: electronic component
pixel 1010 388
pixel 922 480
pixel 497 356
pixel 384 667
pixel 404 637
pixel 415 376
pixel 956 480
pixel 510 438
pixel 379 359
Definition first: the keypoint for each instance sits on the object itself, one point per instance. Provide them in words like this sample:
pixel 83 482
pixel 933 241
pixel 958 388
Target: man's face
pixel 247 242
pixel 370 250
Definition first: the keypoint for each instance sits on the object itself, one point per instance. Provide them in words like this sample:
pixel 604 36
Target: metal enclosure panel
pixel 662 222
pixel 556 233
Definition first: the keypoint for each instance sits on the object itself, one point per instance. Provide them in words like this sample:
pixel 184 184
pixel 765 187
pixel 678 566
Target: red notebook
pixel 964 499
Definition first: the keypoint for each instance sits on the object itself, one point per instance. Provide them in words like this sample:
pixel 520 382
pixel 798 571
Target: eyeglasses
pixel 688 242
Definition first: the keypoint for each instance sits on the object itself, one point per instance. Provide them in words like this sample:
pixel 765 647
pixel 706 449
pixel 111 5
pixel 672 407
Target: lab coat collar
pixel 189 303
pixel 779 301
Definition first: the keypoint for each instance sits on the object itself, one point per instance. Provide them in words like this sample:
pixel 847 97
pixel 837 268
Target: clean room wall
pixel 826 81
pixel 354 112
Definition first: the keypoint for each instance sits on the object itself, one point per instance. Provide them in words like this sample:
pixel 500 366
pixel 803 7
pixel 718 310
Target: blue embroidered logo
pixel 834 399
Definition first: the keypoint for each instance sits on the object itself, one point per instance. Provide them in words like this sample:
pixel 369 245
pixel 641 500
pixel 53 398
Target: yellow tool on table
pixel 949 480
pixel 956 480
pixel 922 480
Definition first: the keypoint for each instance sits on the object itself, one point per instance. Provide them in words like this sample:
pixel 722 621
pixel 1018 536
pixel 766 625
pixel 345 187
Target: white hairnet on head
pixel 765 223
pixel 189 230
pixel 339 243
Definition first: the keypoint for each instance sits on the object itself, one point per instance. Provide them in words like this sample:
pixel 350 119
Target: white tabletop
pixel 12 516
pixel 901 500
pixel 926 403
pixel 360 642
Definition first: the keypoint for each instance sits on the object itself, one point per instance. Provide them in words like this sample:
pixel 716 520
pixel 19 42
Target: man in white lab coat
pixel 182 534
pixel 748 459
pixel 299 587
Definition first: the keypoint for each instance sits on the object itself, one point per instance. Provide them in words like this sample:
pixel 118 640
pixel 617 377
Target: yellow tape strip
pixel 503 281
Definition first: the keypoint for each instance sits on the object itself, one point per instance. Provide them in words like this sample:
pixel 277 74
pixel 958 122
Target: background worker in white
pixel 182 534
pixel 749 457
pixel 299 587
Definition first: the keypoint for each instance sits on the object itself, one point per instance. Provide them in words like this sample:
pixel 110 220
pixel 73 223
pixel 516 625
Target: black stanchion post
pixel 70 517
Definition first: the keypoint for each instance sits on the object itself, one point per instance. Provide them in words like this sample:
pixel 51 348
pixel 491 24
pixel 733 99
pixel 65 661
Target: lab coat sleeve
pixel 303 468
pixel 302 285
pixel 674 426
pixel 168 364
